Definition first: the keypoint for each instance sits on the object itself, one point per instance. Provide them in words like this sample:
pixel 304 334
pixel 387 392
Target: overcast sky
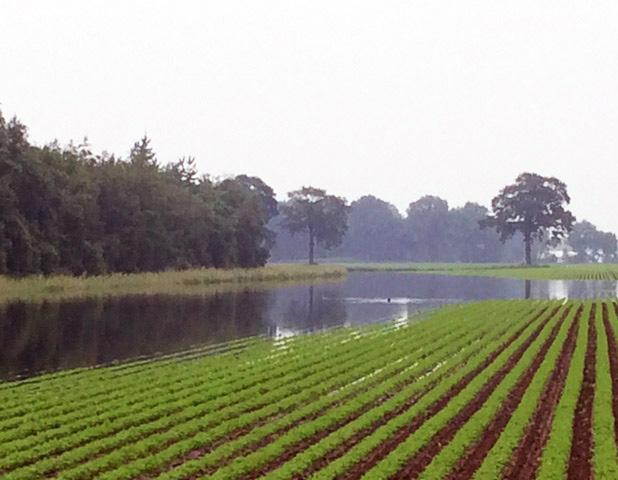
pixel 396 99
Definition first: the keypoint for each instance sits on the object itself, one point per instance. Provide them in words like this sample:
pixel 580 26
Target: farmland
pixel 538 272
pixel 497 389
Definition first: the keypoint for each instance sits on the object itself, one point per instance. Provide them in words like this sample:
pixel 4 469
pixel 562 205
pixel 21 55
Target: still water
pixel 56 335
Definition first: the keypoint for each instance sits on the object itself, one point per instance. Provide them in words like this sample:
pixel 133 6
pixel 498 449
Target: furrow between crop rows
pixel 498 358
pixel 424 456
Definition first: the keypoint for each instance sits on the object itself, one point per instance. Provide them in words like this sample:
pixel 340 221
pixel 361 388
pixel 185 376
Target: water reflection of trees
pixel 46 336
pixel 559 289
pixel 320 308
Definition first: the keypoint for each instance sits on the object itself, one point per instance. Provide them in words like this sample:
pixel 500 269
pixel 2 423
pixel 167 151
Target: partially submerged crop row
pixel 472 392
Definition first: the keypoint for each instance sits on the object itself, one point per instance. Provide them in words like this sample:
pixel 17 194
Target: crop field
pixel 498 389
pixel 543 272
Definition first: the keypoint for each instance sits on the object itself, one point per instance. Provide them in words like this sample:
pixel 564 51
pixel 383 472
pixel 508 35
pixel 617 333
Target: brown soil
pixel 273 436
pixel 400 435
pixel 580 465
pixel 342 448
pixel 204 450
pixel 197 453
pixel 423 457
pixel 526 457
pixel 306 443
pixel 167 444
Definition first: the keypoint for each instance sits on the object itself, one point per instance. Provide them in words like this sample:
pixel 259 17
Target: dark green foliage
pixel 430 232
pixel 591 245
pixel 427 226
pixel 468 242
pixel 322 217
pixel 533 206
pixel 65 210
pixel 375 230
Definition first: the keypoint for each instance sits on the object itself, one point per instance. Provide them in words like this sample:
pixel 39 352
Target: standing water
pixel 47 336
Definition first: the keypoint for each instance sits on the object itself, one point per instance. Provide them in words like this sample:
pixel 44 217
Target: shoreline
pixel 191 282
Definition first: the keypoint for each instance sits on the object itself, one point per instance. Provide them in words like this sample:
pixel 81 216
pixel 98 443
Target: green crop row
pixel 605 460
pixel 161 413
pixel 399 456
pixel 168 377
pixel 555 457
pixel 357 348
pixel 130 394
pixel 363 401
pixel 197 391
pixel 472 431
pixel 385 379
pixel 359 451
pixel 273 402
pixel 499 455
pixel 455 360
pixel 258 459
pixel 145 373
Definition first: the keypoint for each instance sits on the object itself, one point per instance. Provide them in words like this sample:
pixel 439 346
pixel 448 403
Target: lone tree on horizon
pixel 322 216
pixel 535 206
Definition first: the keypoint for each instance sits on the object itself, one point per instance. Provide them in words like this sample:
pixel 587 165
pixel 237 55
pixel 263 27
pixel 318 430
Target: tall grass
pixel 196 281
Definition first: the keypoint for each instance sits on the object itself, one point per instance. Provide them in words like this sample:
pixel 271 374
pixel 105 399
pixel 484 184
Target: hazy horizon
pixel 397 100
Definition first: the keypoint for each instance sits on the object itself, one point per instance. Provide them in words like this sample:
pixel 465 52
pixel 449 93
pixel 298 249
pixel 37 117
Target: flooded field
pixel 48 336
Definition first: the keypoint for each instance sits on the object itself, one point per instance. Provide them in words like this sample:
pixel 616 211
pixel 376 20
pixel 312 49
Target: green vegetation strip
pixel 399 457
pixel 385 380
pixel 555 458
pixel 382 434
pixel 369 421
pixel 183 404
pixel 336 404
pixel 499 455
pixel 543 272
pixel 243 467
pixel 471 432
pixel 605 460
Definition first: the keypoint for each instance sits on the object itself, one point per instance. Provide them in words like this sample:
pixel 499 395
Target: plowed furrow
pixel 423 457
pixel 527 456
pixel 613 365
pixel 377 455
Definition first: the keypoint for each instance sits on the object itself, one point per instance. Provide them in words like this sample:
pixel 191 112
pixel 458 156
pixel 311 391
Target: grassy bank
pixel 173 282
pixel 543 272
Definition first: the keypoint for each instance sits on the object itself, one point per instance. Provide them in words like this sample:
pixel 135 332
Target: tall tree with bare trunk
pixel 323 217
pixel 535 206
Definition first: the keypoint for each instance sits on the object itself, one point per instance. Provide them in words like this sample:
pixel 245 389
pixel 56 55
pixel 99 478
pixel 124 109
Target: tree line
pixel 528 222
pixel 67 210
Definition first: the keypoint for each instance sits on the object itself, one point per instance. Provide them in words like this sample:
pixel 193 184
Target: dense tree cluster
pixel 68 210
pixel 587 244
pixel 431 231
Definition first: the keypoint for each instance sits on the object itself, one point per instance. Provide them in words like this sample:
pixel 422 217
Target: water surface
pixel 51 336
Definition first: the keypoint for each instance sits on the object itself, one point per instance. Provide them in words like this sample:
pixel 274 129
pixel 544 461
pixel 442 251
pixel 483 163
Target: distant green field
pixel 497 389
pixel 544 272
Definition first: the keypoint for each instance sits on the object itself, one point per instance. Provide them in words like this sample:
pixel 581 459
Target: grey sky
pixel 397 99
